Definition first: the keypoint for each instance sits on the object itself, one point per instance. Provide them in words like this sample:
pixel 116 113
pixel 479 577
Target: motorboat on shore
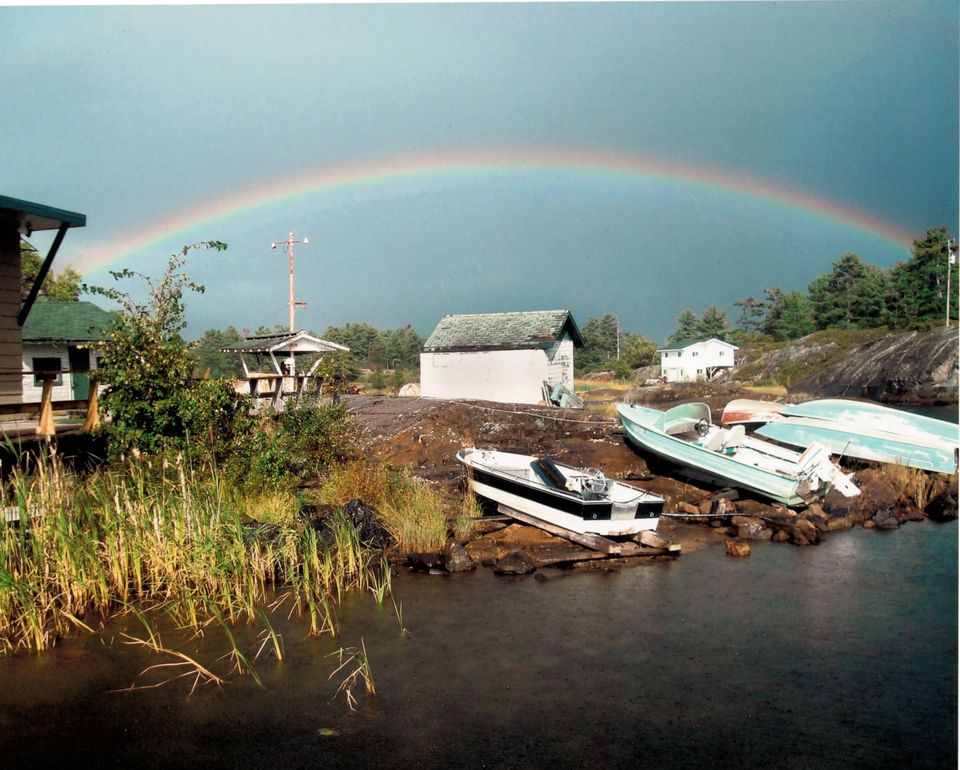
pixel 581 500
pixel 686 436
pixel 859 429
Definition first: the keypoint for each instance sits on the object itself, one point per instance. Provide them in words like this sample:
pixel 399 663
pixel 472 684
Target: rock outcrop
pixel 916 366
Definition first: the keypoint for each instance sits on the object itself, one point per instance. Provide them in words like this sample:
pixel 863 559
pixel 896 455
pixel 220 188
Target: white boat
pixel 686 436
pixel 854 429
pixel 577 499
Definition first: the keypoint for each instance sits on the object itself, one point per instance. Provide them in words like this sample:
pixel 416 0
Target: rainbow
pixel 433 168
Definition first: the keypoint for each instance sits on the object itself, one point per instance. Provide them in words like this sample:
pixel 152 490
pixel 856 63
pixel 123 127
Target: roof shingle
pixel 501 331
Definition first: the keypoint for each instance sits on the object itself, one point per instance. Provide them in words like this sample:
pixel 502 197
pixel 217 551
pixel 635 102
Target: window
pixel 47 365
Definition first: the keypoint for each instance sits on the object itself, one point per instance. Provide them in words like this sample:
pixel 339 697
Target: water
pixel 840 655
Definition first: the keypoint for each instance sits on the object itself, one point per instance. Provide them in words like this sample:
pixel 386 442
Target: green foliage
pixel 713 323
pixel 599 351
pixel 688 329
pixel 751 314
pixel 292 446
pixel 372 347
pixel 150 397
pixel 793 316
pixel 851 296
pixel 919 285
pixel 64 286
pixel 209 361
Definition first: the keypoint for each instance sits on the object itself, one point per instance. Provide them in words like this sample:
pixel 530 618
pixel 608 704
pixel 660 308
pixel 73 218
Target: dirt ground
pixel 426 434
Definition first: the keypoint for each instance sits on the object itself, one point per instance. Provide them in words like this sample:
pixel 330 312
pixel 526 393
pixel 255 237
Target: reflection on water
pixel 840 655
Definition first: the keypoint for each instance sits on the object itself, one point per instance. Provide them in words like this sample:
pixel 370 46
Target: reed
pixel 163 531
pixel 357 666
pixel 912 484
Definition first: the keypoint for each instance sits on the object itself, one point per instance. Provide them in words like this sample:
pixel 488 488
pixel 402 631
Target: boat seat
pixel 735 437
pixel 548 471
pixel 716 442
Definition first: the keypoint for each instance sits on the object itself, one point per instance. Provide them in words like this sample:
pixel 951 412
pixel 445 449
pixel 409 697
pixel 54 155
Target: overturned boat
pixel 686 436
pixel 857 429
pixel 581 500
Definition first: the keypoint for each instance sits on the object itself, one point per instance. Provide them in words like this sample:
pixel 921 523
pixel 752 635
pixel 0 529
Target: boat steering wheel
pixel 596 482
pixel 702 427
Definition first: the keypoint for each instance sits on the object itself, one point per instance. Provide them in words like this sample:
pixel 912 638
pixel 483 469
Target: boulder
pixel 756 508
pixel 837 505
pixel 424 562
pixel 410 390
pixel 687 508
pixel 780 536
pixel 885 518
pixel 515 563
pixel 369 529
pixel 455 557
pixel 838 523
pixel 737 548
pixel 753 529
pixel 817 516
pixel 943 507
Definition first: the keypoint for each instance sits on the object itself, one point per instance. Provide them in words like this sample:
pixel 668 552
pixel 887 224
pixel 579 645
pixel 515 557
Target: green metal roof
pixel 63 321
pixel 502 331
pixel 30 217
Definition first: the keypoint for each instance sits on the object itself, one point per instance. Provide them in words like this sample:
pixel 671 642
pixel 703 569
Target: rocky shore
pixel 425 435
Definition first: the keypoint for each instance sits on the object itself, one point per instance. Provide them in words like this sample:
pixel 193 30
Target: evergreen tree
pixel 918 290
pixel 713 323
pixel 751 314
pixel 794 317
pixel 688 329
pixel 209 360
pixel 851 296
pixel 599 343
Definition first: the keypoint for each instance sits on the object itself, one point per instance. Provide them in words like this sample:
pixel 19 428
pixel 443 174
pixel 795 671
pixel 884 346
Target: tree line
pixel 370 348
pixel 852 295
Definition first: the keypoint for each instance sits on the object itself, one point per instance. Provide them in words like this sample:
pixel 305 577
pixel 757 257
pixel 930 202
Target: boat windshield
pixel 683 418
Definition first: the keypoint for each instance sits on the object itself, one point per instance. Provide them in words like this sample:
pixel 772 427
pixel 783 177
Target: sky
pixel 637 159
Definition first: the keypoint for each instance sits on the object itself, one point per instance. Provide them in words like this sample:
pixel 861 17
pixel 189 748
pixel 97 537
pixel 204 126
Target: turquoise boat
pixel 859 429
pixel 686 436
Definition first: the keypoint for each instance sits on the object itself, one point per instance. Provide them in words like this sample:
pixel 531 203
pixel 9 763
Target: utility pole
pixel 294 304
pixel 951 260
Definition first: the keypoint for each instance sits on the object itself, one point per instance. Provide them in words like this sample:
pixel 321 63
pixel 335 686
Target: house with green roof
pixel 58 337
pixel 507 357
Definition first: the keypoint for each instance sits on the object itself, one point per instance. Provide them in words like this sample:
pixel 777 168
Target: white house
pixel 57 340
pixel 696 360
pixel 504 357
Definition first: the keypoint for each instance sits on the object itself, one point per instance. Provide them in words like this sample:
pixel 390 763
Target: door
pixel 79 359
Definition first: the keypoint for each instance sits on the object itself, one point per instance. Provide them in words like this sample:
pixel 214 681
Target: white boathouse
pixel 506 357
pixel 700 360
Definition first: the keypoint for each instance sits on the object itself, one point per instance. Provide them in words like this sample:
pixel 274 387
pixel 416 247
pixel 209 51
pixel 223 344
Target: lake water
pixel 839 655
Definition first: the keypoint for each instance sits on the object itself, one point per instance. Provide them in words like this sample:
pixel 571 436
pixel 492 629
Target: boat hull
pixel 638 422
pixel 929 455
pixel 604 517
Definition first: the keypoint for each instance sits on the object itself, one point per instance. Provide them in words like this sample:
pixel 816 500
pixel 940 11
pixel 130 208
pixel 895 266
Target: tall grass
pixel 418 515
pixel 161 532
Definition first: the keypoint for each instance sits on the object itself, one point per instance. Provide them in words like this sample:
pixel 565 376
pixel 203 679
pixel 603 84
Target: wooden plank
pixel 595 542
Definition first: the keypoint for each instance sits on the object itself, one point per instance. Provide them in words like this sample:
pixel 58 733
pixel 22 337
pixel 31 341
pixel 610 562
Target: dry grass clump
pixel 418 515
pixel 912 484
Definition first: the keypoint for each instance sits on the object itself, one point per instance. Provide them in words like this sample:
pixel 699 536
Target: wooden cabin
pixel 18 219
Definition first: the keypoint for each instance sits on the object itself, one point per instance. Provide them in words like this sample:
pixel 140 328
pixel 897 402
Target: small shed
pixel 57 338
pixel 276 370
pixel 700 360
pixel 508 357
pixel 18 219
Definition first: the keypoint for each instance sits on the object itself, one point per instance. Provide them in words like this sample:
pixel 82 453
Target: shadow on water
pixel 841 655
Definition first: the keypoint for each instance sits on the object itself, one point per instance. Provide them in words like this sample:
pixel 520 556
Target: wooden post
pixel 93 411
pixel 45 426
